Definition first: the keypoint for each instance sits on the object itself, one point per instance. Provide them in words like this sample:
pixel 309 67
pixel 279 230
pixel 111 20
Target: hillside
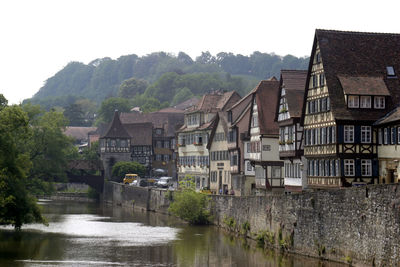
pixel 166 75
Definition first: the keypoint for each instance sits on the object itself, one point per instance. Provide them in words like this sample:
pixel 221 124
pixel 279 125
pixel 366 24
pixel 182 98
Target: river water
pixel 96 235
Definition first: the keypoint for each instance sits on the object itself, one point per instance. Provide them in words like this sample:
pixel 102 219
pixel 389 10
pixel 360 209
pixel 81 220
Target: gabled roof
pixel 116 129
pixel 188 103
pixel 266 95
pixel 391 117
pixel 294 82
pixel 216 101
pixel 240 107
pixel 169 121
pixel 356 54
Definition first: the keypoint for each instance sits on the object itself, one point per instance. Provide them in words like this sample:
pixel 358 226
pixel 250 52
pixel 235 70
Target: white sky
pixel 38 38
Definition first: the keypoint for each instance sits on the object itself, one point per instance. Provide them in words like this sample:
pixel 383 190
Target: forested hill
pixel 165 76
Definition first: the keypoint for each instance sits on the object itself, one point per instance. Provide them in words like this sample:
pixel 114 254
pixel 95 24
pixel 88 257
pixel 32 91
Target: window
pixel 366 167
pixel 398 135
pixel 166 144
pixel 392 139
pixel 166 157
pixel 365 102
pixel 159 144
pixel 349 133
pixel 390 71
pixel 249 167
pixel 322 79
pixel 318 58
pixel 349 167
pixel 385 136
pixel 365 134
pixel 158 157
pixel 158 131
pixel 353 101
pixel 248 147
pixel 379 102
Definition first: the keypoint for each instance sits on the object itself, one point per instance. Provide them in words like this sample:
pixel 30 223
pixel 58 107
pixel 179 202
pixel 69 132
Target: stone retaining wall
pixel 358 225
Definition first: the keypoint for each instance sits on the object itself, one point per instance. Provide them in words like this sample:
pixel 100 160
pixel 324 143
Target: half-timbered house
pixel 351 83
pixel 288 115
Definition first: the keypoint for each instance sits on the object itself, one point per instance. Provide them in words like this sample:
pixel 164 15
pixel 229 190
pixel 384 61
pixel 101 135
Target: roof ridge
pixel 357 32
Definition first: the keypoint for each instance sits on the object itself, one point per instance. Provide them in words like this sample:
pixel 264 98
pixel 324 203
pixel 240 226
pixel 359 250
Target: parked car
pixel 164 182
pixel 130 177
pixel 134 183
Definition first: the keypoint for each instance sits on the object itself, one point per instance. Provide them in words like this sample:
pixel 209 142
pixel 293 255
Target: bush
pixel 190 205
pixel 123 167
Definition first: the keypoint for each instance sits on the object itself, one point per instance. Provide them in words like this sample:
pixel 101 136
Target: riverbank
pixel 67 196
pixel 359 226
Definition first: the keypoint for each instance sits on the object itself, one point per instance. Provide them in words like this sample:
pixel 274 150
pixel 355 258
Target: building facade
pixel 288 115
pixel 351 83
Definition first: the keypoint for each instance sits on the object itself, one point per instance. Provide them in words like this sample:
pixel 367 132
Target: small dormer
pixel 364 92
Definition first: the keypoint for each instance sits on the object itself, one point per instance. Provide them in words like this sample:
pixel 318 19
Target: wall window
pixel 322 79
pixel 349 167
pixel 158 157
pixel 349 133
pixel 385 136
pixel 393 137
pixel 365 102
pixel 366 167
pixel 249 167
pixel 353 101
pixel 365 134
pixel 390 71
pixel 398 135
pixel 379 102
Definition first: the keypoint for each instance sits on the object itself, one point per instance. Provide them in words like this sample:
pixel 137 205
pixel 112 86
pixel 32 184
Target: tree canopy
pixel 123 167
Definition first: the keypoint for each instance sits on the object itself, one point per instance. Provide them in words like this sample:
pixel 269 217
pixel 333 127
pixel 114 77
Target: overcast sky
pixel 38 38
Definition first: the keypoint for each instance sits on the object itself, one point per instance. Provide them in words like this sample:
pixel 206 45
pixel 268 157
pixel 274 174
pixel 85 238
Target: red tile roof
pixel 266 94
pixel 294 82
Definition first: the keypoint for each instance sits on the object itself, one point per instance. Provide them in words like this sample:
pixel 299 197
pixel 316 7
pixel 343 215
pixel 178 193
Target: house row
pixel 336 124
pixel 333 125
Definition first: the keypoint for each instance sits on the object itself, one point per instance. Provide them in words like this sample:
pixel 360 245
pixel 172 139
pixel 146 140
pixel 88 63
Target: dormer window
pixel 379 102
pixel 365 101
pixel 353 101
pixel 390 71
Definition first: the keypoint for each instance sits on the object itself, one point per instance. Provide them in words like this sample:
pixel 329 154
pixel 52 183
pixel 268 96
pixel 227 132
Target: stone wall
pixel 358 225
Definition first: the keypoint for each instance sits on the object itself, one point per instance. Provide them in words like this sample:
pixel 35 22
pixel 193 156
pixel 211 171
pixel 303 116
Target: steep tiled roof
pixel 239 107
pixel 141 133
pixel 266 94
pixel 79 133
pixel 217 101
pixel 358 54
pixel 294 82
pixel 188 103
pixel 116 129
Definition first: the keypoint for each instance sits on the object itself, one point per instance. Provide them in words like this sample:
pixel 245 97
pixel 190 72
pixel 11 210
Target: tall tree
pixel 109 106
pixel 17 207
pixel 132 87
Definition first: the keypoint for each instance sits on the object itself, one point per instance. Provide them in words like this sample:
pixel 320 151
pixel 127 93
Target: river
pixel 96 235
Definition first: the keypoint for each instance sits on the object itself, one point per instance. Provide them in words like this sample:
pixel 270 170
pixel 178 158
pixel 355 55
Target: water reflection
pixel 93 235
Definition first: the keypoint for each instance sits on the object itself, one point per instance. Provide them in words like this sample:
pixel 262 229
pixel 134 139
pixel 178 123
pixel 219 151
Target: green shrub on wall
pixel 190 205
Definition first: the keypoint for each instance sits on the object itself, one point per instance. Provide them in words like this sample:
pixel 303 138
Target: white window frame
pixel 366 167
pixel 353 101
pixel 365 101
pixel 349 168
pixel 385 136
pixel 379 102
pixel 365 134
pixel 348 133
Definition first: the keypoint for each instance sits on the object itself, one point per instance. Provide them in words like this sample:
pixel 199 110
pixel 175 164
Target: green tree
pixel 3 102
pixel 48 147
pixel 147 104
pixel 182 94
pixel 75 115
pixel 132 87
pixel 123 167
pixel 190 205
pixel 109 106
pixel 17 206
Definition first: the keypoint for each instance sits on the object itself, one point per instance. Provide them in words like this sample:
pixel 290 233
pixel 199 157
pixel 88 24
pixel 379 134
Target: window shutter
pixel 342 167
pixel 357 134
pixel 358 167
pixel 340 134
pixel 375 168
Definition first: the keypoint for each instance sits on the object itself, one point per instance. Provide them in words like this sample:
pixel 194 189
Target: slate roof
pixel 266 94
pixel 356 54
pixel 294 82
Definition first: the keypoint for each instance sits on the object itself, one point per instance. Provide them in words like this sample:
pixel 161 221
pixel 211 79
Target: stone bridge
pixel 82 171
